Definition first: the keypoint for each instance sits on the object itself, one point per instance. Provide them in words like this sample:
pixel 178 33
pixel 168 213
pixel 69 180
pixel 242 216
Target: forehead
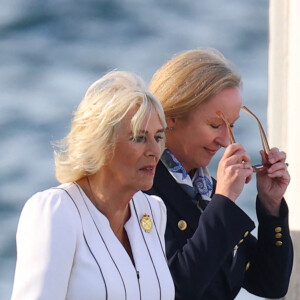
pixel 151 122
pixel 229 101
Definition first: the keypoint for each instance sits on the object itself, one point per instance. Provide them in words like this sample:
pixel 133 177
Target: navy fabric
pixel 200 256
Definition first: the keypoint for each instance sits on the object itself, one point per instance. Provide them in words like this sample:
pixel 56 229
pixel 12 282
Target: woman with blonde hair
pixel 210 250
pixel 97 236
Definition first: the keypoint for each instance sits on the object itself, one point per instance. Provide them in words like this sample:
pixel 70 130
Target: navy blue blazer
pixel 213 254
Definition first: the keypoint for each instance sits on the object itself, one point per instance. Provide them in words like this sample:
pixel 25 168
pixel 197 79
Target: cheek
pixel 123 158
pixel 131 156
pixel 206 135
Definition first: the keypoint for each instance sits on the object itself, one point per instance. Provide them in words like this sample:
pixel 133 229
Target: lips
pixel 211 152
pixel 148 169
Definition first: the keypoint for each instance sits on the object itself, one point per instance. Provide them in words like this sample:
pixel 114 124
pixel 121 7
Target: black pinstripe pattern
pixel 162 249
pixel 147 245
pixel 85 239
pixel 103 241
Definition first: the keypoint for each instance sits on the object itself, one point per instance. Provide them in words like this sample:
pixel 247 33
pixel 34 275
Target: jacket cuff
pixel 274 230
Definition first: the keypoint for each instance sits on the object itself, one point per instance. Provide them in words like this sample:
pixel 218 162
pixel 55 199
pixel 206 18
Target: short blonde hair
pixel 190 78
pixel 92 136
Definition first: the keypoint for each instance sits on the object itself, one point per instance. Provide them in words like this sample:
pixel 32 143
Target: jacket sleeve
pixel 46 242
pixel 271 266
pixel 221 226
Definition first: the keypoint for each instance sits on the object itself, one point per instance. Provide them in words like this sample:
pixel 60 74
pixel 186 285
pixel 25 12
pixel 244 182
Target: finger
pixel 248 171
pixel 248 178
pixel 246 159
pixel 234 149
pixel 246 165
pixel 263 155
pixel 241 170
pixel 281 175
pixel 237 159
pixel 235 153
pixel 275 156
pixel 277 167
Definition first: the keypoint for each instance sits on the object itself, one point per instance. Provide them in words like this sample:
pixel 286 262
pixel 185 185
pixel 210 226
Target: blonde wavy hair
pixel 191 78
pixel 92 135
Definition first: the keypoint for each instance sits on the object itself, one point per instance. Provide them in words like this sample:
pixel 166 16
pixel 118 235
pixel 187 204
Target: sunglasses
pixel 264 141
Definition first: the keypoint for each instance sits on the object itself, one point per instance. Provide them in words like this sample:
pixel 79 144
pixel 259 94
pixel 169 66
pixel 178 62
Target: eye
pixel 139 139
pixel 159 138
pixel 215 126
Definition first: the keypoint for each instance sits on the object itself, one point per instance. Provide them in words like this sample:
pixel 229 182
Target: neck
pixel 192 173
pixel 109 201
pixel 176 153
pixel 112 205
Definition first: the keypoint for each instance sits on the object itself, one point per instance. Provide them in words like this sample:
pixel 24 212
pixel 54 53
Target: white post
pixel 284 110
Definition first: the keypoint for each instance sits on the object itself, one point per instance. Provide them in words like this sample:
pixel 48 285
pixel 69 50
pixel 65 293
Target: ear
pixel 171 122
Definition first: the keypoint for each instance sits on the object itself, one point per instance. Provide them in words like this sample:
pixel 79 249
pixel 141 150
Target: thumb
pixel 264 157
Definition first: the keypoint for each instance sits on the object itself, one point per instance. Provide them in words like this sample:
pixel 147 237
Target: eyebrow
pixel 217 118
pixel 162 130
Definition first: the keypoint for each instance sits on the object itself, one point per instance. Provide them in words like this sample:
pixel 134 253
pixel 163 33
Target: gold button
pixel 278 235
pixel 248 266
pixel 246 234
pixel 182 225
pixel 278 229
pixel 278 243
pixel 241 241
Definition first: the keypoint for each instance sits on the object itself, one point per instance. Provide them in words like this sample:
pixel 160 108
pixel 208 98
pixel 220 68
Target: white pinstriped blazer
pixel 67 250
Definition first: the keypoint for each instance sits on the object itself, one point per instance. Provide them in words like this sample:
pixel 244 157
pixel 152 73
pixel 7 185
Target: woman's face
pixel 195 140
pixel 133 163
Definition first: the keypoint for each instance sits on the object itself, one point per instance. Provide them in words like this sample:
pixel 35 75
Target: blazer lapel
pixel 97 241
pixel 174 196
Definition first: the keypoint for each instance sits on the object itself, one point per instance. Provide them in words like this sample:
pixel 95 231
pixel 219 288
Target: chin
pixel 204 163
pixel 146 186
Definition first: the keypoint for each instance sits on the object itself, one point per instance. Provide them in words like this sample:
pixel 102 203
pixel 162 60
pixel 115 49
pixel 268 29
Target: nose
pixel 153 148
pixel 223 139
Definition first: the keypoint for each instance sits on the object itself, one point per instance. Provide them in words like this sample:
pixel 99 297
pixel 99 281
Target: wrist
pixel 271 206
pixel 228 194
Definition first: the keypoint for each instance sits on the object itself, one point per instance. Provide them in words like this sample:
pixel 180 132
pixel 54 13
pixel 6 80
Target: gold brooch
pixel 146 223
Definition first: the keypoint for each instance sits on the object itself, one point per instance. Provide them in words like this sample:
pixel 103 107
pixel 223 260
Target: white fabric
pixel 67 250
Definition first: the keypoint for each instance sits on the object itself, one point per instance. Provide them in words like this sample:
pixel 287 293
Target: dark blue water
pixel 51 51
